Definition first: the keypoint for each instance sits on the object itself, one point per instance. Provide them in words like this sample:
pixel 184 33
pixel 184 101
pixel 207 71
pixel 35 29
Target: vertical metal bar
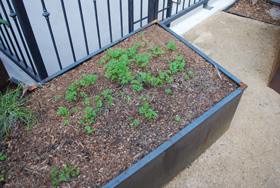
pixel 1 40
pixel 183 5
pixel 169 10
pixel 189 3
pixel 5 28
pixel 97 24
pixel 13 15
pixel 152 10
pixel 163 9
pixel 177 6
pixel 30 38
pixel 83 25
pixel 7 43
pixel 121 18
pixel 130 16
pixel 46 14
pixel 141 13
pixel 68 29
pixel 109 19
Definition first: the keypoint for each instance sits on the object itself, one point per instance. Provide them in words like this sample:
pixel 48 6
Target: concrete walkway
pixel 248 154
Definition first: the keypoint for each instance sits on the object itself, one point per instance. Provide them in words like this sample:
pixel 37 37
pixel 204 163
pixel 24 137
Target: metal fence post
pixel 130 16
pixel 206 6
pixel 152 10
pixel 169 10
pixel 30 38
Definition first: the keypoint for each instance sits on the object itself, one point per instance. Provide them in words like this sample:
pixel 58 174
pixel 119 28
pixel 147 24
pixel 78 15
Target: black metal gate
pixel 43 49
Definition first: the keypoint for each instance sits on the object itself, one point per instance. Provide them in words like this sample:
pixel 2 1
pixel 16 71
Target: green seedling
pixel 97 97
pixel 75 110
pixel 83 94
pixel 65 121
pixel 129 118
pixel 187 77
pixel 127 98
pixel 89 129
pixel 176 118
pixel 141 97
pixel 99 103
pixel 89 115
pixel 134 124
pixel 192 74
pixel 186 88
pixel 171 45
pixel 87 102
pixel 205 85
pixel 64 175
pixel 157 50
pixel 2 157
pixel 121 93
pixel 170 106
pixel 149 113
pixel 141 35
pixel 168 91
pixel 63 111
pixel 58 97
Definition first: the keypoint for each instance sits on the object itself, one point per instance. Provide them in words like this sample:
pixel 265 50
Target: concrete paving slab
pixel 248 154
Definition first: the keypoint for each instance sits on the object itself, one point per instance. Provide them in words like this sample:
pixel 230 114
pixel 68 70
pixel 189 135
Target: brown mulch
pixel 114 146
pixel 259 11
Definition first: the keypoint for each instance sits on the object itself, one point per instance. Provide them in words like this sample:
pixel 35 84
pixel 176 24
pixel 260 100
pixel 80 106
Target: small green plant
pixel 176 118
pixel 170 106
pixel 89 129
pixel 129 118
pixel 64 175
pixel 186 88
pixel 83 94
pixel 75 110
pixel 121 93
pixel 134 124
pixel 97 97
pixel 87 102
pixel 13 108
pixel 58 97
pixel 89 115
pixel 88 80
pixel 168 91
pixel 157 50
pixel 187 77
pixel 192 74
pixel 127 98
pixel 63 111
pixel 66 122
pixel 205 85
pixel 141 97
pixel 171 45
pixel 141 35
pixel 149 113
pixel 99 103
pixel 2 158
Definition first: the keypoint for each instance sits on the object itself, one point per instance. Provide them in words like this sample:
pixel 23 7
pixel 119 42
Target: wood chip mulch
pixel 259 11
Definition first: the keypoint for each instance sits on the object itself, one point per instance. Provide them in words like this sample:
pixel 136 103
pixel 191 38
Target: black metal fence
pixel 74 30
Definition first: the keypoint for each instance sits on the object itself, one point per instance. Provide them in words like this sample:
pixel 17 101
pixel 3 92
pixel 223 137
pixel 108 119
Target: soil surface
pixel 262 10
pixel 114 146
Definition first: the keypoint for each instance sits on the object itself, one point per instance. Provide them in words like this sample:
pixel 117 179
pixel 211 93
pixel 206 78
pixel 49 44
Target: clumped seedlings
pixel 168 91
pixel 171 45
pixel 63 175
pixel 149 113
pixel 192 74
pixel 127 98
pixel 89 129
pixel 63 111
pixel 58 97
pixel 66 122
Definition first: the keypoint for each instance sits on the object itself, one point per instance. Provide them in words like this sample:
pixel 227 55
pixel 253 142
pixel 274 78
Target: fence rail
pixel 73 30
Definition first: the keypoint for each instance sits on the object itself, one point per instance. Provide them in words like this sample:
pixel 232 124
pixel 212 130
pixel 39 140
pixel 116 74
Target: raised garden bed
pixel 138 130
